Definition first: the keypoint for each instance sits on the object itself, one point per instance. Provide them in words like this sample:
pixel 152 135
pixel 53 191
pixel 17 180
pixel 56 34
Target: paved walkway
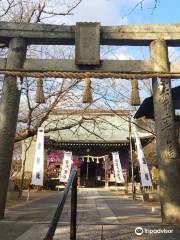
pixel 101 215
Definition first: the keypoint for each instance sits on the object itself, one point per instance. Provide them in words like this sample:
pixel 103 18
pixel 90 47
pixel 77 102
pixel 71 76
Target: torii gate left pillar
pixel 9 107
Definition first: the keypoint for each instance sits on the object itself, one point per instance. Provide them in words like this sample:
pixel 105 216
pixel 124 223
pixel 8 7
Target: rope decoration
pixel 39 92
pixel 87 93
pixel 135 99
pixel 83 75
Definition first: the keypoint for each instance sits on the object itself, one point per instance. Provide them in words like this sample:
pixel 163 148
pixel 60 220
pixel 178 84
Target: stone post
pixel 167 142
pixel 9 106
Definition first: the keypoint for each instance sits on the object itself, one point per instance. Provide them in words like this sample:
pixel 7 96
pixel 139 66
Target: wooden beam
pixel 140 35
pixel 131 66
pixel 105 66
pixel 38 33
pixel 44 65
pixel 132 35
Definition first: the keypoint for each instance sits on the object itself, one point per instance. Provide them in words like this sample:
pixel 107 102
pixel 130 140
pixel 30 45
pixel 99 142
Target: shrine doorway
pixel 92 173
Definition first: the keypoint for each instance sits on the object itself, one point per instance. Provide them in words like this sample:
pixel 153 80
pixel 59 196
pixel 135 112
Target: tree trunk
pixel 9 107
pixel 167 142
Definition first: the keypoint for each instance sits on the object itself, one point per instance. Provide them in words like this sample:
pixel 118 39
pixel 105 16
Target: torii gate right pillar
pixel 166 137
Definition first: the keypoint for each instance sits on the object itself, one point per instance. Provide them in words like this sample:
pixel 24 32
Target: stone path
pixel 102 215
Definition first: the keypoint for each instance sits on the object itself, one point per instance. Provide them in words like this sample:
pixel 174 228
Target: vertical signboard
pixel 117 168
pixel 66 167
pixel 38 167
pixel 144 171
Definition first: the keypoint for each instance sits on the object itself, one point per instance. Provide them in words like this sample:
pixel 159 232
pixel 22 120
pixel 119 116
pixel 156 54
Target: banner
pixel 117 168
pixel 38 167
pixel 144 171
pixel 66 167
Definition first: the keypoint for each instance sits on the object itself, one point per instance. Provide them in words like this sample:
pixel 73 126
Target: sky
pixel 120 12
pixel 123 12
pixel 117 12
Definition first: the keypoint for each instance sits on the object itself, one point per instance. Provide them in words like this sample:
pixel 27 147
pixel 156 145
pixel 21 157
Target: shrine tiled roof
pixel 90 125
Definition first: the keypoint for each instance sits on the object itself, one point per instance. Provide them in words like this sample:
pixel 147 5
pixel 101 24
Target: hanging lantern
pixel 97 160
pixel 135 99
pixel 87 93
pixel 39 92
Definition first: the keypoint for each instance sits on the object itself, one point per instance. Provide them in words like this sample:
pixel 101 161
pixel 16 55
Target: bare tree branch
pixel 140 4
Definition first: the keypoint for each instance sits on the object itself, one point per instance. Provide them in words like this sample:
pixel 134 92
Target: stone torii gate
pixel 87 38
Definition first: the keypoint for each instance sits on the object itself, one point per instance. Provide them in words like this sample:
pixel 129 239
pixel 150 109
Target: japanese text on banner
pixel 38 167
pixel 66 167
pixel 117 168
pixel 144 171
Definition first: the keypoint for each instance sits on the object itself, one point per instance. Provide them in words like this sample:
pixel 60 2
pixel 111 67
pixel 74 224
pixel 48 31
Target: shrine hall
pixel 91 136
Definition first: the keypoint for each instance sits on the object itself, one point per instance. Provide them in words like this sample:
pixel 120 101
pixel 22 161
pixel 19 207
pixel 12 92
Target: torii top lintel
pixel 132 35
pixel 87 38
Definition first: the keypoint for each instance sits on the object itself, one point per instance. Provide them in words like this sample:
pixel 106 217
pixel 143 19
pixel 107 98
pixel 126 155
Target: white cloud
pixel 106 12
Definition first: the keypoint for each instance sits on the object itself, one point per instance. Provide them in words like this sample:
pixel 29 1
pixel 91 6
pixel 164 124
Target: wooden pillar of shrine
pixel 106 167
pixel 167 142
pixel 9 107
pixel 79 176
